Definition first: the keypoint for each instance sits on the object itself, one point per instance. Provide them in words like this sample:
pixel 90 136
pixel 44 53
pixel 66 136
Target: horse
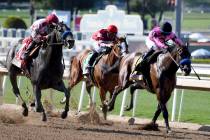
pixel 159 77
pixel 46 69
pixel 99 77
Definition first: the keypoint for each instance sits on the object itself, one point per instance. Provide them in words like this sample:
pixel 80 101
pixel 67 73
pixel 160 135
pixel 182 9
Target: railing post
pixel 1 89
pixel 134 102
pixel 123 102
pixel 81 96
pixel 174 106
pixel 181 105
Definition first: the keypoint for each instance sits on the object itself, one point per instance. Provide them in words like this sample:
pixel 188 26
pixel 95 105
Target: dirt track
pixel 32 128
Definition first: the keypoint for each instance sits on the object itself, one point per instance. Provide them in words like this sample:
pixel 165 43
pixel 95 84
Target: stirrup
pixel 136 77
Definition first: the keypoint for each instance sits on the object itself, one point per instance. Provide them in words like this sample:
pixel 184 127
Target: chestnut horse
pixel 159 77
pixel 104 81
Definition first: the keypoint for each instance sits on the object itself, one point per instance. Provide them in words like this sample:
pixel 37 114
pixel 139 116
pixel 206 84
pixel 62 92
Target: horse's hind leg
pixel 13 79
pixel 61 87
pixel 132 90
pixel 88 88
pixel 38 103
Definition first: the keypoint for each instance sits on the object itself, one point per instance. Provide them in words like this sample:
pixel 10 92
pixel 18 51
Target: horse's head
pixel 120 46
pixel 123 44
pixel 182 56
pixel 66 35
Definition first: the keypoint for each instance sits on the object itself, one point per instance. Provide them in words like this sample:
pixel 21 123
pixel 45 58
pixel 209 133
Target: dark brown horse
pixel 46 70
pixel 104 81
pixel 159 77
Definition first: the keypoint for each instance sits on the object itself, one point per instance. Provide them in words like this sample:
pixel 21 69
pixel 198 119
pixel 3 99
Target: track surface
pixel 32 128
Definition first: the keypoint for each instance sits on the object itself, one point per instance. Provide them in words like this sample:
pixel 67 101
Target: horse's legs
pixel 165 115
pixel 75 78
pixel 117 90
pixel 13 79
pixel 38 103
pixel 157 113
pixel 132 90
pixel 61 87
pixel 103 98
pixel 111 103
pixel 162 107
pixel 88 88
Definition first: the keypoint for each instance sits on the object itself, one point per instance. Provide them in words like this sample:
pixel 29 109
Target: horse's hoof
pixel 131 121
pixel 168 131
pixel 32 104
pixel 25 112
pixel 63 101
pixel 64 114
pixel 110 108
pixel 44 117
pixel 39 109
pixel 126 108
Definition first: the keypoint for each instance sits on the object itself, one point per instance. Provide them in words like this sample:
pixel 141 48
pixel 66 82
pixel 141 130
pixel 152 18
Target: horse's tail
pixel 71 61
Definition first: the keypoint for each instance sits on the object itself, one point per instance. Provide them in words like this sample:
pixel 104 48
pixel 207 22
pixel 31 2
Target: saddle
pixel 85 63
pixel 145 69
pixel 20 49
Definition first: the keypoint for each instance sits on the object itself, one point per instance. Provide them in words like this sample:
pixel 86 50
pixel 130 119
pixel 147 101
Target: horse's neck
pixel 112 58
pixel 53 52
pixel 167 63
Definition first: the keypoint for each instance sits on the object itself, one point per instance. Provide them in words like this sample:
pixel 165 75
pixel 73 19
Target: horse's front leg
pixel 38 104
pixel 61 87
pixel 13 79
pixel 165 116
pixel 111 103
pixel 102 93
pixel 123 84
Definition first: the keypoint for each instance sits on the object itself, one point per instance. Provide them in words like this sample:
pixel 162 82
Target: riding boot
pixel 89 66
pixel 28 50
pixel 145 59
pixel 137 75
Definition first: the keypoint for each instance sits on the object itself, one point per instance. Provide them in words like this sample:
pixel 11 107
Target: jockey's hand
pixel 165 50
pixel 44 38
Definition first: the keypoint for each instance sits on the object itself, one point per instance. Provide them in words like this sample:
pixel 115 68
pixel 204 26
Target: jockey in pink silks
pixel 156 41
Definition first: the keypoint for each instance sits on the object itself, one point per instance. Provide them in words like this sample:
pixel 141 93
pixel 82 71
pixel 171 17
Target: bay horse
pixel 159 77
pixel 104 81
pixel 46 69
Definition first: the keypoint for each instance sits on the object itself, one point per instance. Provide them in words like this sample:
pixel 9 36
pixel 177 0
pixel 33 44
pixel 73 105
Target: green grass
pixel 195 107
pixel 192 21
pixel 201 61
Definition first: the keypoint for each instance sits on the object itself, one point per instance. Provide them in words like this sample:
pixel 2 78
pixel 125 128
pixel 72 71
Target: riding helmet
pixel 166 28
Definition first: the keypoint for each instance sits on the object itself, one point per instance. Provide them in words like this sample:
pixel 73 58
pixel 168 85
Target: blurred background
pixel 85 17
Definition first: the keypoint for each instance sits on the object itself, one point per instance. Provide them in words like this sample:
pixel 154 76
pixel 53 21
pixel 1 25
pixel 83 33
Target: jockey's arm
pixel 159 44
pixel 106 43
pixel 177 40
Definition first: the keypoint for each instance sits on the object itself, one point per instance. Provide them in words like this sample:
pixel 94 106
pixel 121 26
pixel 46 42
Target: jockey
pixel 105 39
pixel 156 41
pixel 39 31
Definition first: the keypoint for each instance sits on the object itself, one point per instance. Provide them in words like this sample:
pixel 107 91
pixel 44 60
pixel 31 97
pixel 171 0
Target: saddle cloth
pixel 21 48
